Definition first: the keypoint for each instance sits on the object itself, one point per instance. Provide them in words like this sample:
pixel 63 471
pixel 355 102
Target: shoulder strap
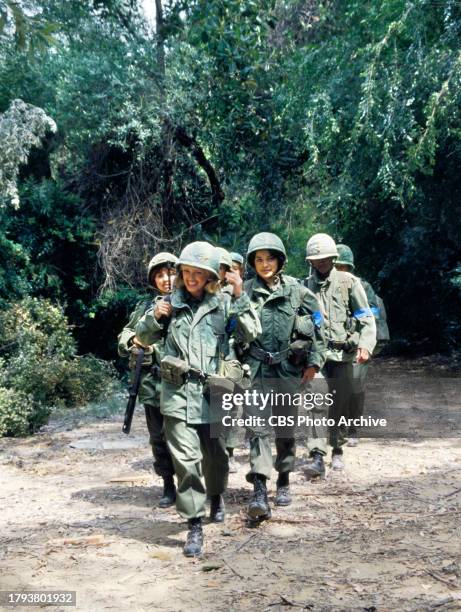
pixel 345 286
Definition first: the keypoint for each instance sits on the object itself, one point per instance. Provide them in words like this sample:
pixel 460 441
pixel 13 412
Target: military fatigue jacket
pixel 198 333
pixel 345 309
pixel 278 310
pixel 149 389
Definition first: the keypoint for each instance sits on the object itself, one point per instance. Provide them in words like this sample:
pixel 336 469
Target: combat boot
pixel 169 493
pixel 283 497
pixel 315 469
pixel 337 461
pixel 258 508
pixel 194 542
pixel 353 440
pixel 217 513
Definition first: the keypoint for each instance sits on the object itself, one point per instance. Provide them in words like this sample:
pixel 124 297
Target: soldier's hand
pixel 363 355
pixel 234 279
pixel 309 373
pixel 138 344
pixel 163 309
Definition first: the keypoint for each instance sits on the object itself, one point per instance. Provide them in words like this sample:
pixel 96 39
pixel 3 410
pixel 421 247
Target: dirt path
pixel 383 535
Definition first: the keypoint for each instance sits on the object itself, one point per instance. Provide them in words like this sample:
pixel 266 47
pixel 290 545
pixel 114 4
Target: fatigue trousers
pixel 357 399
pixel 261 440
pixel 339 378
pixel 163 463
pixel 231 434
pixel 196 453
pixel 317 435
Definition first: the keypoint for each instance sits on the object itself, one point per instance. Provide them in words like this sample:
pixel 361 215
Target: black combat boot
pixel 194 542
pixel 258 508
pixel 315 469
pixel 283 497
pixel 169 493
pixel 217 513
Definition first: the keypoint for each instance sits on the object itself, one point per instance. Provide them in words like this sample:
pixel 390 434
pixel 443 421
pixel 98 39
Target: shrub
pixel 40 370
pixel 15 412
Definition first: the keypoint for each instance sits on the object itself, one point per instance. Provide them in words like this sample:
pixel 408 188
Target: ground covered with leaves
pixel 79 513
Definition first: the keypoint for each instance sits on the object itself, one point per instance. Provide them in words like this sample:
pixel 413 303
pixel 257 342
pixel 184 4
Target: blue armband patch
pixel 375 311
pixel 231 325
pixel 363 312
pixel 317 317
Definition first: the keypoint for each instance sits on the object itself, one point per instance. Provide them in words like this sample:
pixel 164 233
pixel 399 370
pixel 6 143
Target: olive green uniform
pixel 149 389
pixel 198 333
pixel 346 311
pixel 360 370
pixel 281 308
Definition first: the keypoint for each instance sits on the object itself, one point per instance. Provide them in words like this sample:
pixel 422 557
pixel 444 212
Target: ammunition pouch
pixel 174 370
pixel 299 351
pixel 304 327
pixel 148 357
pixel 231 374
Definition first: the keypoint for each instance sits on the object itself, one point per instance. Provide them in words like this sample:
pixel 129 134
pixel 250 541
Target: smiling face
pixel 163 279
pixel 195 280
pixel 323 266
pixel 266 265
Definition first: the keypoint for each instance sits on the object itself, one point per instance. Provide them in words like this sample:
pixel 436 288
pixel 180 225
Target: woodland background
pixel 156 123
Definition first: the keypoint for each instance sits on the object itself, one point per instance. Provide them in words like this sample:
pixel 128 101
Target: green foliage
pixel 15 411
pixel 39 367
pixel 315 116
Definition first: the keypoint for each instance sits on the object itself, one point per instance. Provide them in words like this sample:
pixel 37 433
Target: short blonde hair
pixel 213 285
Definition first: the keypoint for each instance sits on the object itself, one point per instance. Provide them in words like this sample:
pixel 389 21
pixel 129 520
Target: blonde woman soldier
pixel 201 319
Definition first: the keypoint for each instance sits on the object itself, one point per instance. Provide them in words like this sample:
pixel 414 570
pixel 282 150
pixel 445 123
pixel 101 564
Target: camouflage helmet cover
pixel 265 241
pixel 200 255
pixel 160 260
pixel 345 256
pixel 321 246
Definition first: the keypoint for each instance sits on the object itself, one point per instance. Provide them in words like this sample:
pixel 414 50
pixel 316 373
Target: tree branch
pixel 198 154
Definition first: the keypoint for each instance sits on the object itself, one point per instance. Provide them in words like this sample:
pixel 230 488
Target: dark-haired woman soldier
pixel 288 352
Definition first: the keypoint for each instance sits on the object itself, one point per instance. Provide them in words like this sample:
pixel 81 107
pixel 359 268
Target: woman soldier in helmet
pixel 289 350
pixel 160 274
pixel 200 322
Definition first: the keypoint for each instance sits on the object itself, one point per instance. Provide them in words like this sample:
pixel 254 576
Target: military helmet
pixel 237 258
pixel 321 246
pixel 200 255
pixel 224 257
pixel 160 260
pixel 265 241
pixel 345 256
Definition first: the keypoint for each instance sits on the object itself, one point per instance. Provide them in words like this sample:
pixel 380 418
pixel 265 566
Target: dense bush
pixel 15 413
pixel 231 118
pixel 40 370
